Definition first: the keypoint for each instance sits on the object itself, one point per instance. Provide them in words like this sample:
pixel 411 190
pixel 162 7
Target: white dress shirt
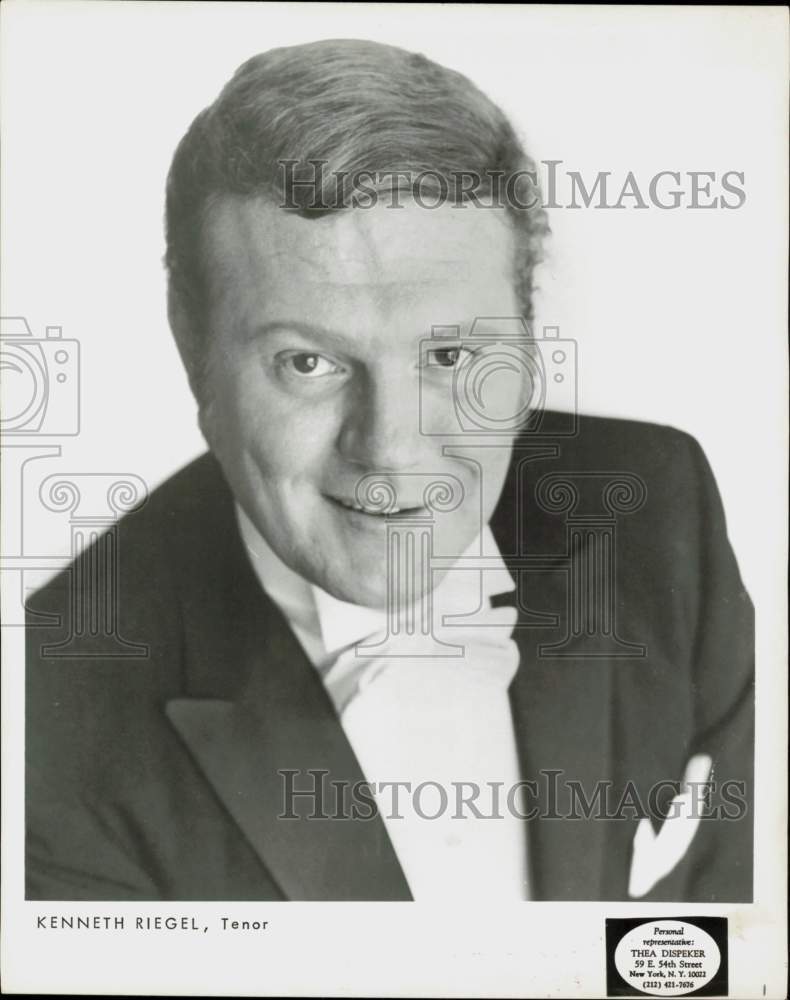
pixel 428 730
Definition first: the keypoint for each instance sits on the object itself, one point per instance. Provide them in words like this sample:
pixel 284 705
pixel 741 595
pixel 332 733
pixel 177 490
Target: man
pixel 395 569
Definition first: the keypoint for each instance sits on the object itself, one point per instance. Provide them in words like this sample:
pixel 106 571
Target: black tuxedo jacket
pixel 156 777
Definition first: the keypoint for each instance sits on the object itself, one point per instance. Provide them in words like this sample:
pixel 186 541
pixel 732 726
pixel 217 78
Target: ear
pixel 185 336
pixel 177 318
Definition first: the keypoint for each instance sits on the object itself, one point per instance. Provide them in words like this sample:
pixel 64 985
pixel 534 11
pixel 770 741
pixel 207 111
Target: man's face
pixel 316 379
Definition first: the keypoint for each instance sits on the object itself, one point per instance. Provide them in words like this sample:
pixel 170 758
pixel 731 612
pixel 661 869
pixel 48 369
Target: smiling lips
pixel 389 511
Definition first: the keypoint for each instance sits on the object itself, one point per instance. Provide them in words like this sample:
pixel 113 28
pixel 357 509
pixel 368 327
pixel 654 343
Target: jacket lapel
pixel 253 708
pixel 562 708
pixel 562 721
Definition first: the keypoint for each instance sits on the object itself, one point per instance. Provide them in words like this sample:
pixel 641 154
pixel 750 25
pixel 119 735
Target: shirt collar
pixel 338 623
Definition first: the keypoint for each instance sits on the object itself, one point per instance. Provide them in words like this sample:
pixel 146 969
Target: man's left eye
pixel 308 365
pixel 448 357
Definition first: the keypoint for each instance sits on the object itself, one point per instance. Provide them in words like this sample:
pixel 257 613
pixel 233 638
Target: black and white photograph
pixel 394 473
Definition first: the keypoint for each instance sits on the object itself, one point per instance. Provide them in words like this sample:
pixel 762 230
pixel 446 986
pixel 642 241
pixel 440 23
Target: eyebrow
pixel 325 333
pixel 310 330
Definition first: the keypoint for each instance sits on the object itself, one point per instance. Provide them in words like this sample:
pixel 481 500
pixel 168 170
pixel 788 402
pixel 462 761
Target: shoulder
pixel 650 486
pixel 630 443
pixel 665 466
pixel 173 518
pixel 105 638
pixel 113 620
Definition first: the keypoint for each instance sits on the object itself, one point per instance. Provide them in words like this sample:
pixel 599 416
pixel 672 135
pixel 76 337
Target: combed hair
pixel 360 106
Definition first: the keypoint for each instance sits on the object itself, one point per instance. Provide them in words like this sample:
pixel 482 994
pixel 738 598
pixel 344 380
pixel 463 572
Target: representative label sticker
pixel 666 956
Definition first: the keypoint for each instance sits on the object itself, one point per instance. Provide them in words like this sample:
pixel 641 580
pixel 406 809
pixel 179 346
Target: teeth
pixel 366 510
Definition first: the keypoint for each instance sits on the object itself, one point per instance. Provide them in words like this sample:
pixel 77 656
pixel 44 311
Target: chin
pixel 372 592
pixel 356 590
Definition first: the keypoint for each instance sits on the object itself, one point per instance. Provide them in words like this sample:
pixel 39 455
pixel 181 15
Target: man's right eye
pixel 306 364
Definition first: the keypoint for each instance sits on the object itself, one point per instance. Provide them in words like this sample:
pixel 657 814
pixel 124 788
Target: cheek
pixel 272 436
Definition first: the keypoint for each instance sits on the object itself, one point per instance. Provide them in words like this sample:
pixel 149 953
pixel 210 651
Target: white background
pixel 679 315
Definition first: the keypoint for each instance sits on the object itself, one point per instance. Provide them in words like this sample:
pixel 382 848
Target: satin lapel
pixel 561 707
pixel 561 714
pixel 255 707
pixel 281 724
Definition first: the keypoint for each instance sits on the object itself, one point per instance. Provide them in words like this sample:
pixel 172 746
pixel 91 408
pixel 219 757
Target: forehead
pixel 257 251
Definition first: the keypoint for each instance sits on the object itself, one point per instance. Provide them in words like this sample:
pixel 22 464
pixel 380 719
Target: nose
pixel 381 427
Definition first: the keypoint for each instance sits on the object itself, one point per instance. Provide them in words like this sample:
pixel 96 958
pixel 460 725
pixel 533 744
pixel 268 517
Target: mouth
pixel 353 507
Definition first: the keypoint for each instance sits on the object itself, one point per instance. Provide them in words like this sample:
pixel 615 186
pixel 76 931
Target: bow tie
pixel 452 661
